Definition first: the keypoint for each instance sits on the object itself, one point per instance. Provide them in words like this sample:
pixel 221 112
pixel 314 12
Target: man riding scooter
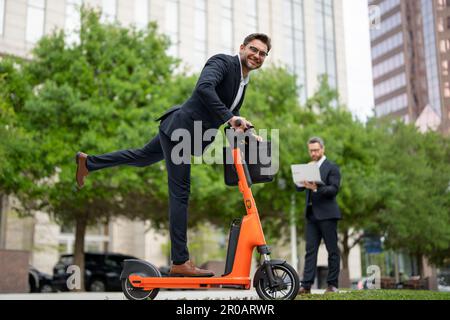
pixel 216 100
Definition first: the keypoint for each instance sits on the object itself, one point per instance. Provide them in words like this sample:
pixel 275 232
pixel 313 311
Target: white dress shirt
pixel 319 163
pixel 243 83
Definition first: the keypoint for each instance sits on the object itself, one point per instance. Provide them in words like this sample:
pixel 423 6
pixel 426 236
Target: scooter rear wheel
pixel 133 293
pixel 288 288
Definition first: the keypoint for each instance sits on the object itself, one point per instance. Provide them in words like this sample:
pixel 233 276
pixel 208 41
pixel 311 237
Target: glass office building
pixel 410 60
pixel 307 35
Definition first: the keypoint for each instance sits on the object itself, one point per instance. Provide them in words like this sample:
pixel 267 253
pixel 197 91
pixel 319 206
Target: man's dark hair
pixel 259 36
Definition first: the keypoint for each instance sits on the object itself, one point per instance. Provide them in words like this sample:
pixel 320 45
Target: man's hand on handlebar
pixel 240 124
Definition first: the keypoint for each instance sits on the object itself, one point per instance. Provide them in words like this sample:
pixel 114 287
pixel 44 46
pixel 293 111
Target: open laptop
pixel 306 172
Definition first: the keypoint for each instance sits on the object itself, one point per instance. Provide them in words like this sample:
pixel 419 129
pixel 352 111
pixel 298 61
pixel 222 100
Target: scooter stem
pixel 244 188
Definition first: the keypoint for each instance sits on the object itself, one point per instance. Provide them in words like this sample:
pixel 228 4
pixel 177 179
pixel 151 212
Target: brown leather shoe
pixel 82 170
pixel 188 269
pixel 303 291
pixel 331 289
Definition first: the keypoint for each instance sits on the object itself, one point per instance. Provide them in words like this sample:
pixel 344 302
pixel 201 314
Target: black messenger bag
pixel 258 161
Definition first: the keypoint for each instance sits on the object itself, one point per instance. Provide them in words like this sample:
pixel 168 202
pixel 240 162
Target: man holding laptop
pixel 321 180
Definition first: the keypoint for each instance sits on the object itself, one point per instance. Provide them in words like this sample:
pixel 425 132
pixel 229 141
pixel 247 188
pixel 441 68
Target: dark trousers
pixel 179 181
pixel 316 230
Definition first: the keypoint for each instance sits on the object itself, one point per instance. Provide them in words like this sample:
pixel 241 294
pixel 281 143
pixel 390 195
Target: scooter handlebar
pixel 238 123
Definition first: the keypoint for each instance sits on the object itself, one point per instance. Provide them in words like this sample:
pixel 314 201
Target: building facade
pixel 410 46
pixel 410 61
pixel 307 35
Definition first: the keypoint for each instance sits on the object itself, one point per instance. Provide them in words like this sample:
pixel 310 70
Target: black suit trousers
pixel 316 230
pixel 159 148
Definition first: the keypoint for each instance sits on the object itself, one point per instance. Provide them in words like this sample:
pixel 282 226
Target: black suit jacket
pixel 324 202
pixel 210 101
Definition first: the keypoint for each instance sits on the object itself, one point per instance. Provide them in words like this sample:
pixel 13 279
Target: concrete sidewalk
pixel 162 295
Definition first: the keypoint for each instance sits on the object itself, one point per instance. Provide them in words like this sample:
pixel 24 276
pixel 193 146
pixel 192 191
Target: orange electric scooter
pixel 274 279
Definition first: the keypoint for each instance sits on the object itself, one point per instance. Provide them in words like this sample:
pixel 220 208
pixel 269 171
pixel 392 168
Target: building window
pixel 35 20
pixel 109 11
pixel 388 5
pixel 444 66
pixel 445 46
pixel 288 34
pixel 431 61
pixel 389 65
pixel 227 26
pixel 447 92
pixel 251 8
pixel 390 85
pixel 387 25
pixel 97 239
pixel 141 13
pixel 326 51
pixel 200 33
pixel 397 103
pixel 72 23
pixel 2 15
pixel 294 35
pixel 387 45
pixel 172 26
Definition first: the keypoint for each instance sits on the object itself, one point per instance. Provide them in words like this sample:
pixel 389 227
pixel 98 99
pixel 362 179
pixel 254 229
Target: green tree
pixel 365 188
pixel 21 172
pixel 99 95
pixel 417 221
pixel 383 167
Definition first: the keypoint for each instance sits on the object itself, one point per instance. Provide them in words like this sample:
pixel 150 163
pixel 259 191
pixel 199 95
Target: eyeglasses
pixel 261 53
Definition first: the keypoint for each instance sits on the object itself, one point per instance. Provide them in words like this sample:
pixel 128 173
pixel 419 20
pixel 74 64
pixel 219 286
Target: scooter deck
pixel 149 283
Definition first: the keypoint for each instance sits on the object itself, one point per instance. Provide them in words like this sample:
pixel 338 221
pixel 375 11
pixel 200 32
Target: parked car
pixel 102 271
pixel 444 280
pixel 39 281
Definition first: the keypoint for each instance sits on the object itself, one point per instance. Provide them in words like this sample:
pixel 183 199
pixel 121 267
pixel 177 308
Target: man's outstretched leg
pixel 157 149
pixel 149 154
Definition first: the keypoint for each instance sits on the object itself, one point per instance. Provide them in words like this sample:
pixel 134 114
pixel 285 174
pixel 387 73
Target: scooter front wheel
pixel 287 287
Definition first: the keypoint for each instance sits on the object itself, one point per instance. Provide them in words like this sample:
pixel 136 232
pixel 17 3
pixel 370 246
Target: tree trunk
pixel 3 213
pixel 428 273
pixel 344 277
pixel 80 232
pixel 419 265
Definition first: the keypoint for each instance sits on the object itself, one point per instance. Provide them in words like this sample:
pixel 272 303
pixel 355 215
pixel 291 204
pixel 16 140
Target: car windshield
pixel 67 260
pixel 97 259
pixel 115 261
